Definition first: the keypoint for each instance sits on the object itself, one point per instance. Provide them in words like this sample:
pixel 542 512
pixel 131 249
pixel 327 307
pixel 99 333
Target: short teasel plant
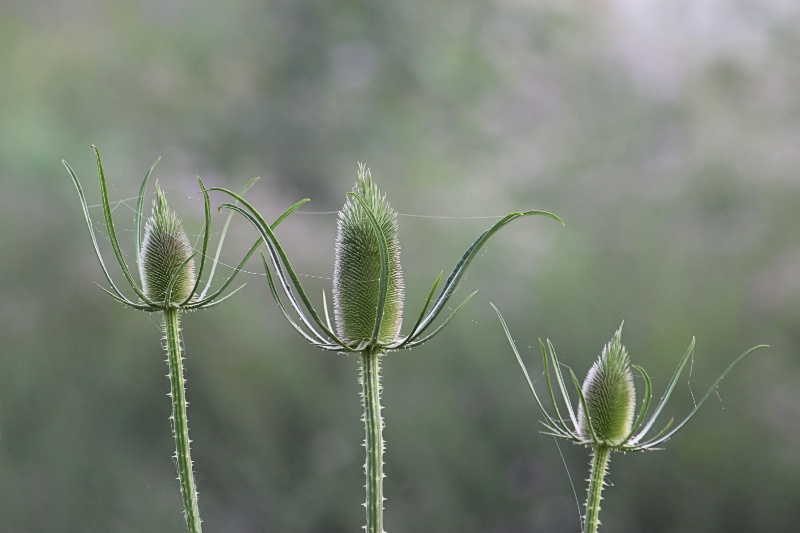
pixel 170 281
pixel 604 418
pixel 368 304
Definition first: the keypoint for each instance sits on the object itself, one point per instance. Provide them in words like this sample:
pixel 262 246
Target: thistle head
pixel 610 396
pixel 166 254
pixel 368 288
pixel 607 398
pixel 357 269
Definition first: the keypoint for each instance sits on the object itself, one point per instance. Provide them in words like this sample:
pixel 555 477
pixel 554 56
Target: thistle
pixel 605 410
pixel 610 395
pixel 368 296
pixel 166 254
pixel 169 285
pixel 357 270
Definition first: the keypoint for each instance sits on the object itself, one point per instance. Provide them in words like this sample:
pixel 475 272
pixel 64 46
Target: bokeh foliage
pixel 664 135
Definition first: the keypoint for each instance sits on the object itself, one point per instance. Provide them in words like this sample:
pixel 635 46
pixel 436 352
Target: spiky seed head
pixel 610 395
pixel 357 268
pixel 165 247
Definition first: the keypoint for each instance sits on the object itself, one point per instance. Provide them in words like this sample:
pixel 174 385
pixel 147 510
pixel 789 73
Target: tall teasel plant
pixel 603 418
pixel 368 304
pixel 170 284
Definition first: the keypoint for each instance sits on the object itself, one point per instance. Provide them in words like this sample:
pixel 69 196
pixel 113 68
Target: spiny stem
pixel 373 424
pixel 180 425
pixel 600 457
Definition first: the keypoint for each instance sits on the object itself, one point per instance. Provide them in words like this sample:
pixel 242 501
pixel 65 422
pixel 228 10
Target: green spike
pixel 610 396
pixel 165 247
pixel 357 269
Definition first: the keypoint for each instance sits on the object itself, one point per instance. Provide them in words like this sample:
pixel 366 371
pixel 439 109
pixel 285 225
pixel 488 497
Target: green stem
pixel 373 424
pixel 600 457
pixel 180 425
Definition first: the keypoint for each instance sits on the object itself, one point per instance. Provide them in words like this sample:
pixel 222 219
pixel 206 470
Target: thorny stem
pixel 373 424
pixel 600 457
pixel 180 425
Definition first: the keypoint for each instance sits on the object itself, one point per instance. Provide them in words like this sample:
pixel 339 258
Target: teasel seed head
pixel 165 249
pixel 357 269
pixel 610 396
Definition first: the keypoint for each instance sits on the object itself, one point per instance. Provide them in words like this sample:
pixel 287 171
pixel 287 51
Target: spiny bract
pixel 357 269
pixel 610 396
pixel 165 250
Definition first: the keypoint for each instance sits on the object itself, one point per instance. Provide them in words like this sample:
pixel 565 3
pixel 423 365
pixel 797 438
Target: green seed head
pixel 165 247
pixel 357 269
pixel 610 395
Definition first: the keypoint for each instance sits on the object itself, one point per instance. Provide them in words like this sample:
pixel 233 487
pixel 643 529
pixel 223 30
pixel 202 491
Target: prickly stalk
pixel 180 426
pixel 373 442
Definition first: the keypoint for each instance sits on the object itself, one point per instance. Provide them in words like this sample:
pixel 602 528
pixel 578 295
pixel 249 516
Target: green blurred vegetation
pixel 664 135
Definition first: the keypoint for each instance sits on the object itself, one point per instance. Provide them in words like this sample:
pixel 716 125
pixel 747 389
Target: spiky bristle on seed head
pixel 357 269
pixel 165 247
pixel 610 395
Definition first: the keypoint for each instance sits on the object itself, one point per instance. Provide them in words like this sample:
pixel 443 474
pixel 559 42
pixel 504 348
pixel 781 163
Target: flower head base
pixel 357 270
pixel 166 254
pixel 368 284
pixel 608 396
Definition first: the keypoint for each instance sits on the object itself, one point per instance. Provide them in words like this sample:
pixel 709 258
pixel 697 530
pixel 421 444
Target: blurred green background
pixel 665 134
